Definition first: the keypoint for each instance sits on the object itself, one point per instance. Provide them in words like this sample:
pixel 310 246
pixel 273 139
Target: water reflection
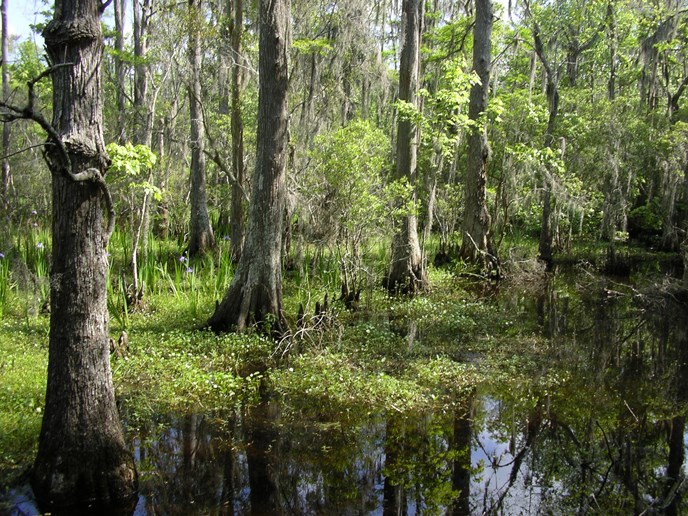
pixel 598 428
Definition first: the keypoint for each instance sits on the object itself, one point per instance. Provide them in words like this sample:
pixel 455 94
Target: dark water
pixel 597 426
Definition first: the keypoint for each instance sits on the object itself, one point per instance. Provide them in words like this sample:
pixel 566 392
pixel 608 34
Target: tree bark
pixel 552 92
pixel 144 131
pixel 82 457
pixel 407 271
pixel 476 244
pixel 236 228
pixel 201 237
pixel 255 294
pixel 611 206
pixel 120 72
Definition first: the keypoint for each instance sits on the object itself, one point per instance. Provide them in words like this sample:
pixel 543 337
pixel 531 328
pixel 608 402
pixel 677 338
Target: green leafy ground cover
pixel 393 354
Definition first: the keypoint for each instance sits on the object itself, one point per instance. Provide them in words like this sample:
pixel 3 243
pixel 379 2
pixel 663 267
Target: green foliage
pixel 351 161
pixel 29 63
pixel 646 219
pixel 445 113
pixel 129 163
pixel 347 194
pixel 319 46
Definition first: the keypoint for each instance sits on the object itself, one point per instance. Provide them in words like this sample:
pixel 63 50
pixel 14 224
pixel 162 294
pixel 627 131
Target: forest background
pixel 587 136
pixel 616 167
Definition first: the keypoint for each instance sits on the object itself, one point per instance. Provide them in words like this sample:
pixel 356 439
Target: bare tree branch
pixel 29 112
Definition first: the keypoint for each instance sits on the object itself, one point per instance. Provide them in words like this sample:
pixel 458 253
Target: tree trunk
pixel 82 457
pixel 611 208
pixel 613 45
pixel 255 294
pixel 120 72
pixel 5 125
pixel 476 244
pixel 552 92
pixel 144 131
pixel 236 230
pixel 407 271
pixel 201 237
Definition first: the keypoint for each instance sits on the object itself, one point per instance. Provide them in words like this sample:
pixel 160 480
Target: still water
pixel 599 429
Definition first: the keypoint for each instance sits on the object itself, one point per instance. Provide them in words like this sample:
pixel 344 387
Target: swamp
pixel 344 257
pixel 547 393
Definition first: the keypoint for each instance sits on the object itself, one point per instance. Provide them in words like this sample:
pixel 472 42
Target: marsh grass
pixel 5 284
pixel 23 364
pixel 391 354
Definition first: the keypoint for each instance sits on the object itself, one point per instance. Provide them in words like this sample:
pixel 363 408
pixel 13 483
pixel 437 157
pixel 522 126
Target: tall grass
pixel 5 285
pixel 167 275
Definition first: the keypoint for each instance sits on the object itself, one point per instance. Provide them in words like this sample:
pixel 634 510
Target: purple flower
pixel 189 270
pixel 2 256
pixel 40 245
pixel 182 259
pixel 226 237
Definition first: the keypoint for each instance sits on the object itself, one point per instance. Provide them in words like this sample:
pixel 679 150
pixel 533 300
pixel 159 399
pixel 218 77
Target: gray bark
pixel 142 13
pixel 476 245
pixel 201 237
pixel 407 272
pixel 255 294
pixel 236 230
pixel 120 72
pixel 552 92
pixel 82 457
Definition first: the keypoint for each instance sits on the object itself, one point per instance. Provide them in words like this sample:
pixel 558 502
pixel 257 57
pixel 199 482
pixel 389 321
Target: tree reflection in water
pixel 596 426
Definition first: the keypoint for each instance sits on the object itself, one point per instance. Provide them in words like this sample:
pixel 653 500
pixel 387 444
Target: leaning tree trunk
pixel 476 244
pixel 407 271
pixel 82 457
pixel 201 237
pixel 255 294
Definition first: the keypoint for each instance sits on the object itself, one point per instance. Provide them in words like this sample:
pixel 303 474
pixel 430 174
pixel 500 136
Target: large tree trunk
pixel 476 245
pixel 201 237
pixel 407 271
pixel 236 228
pixel 255 294
pixel 82 458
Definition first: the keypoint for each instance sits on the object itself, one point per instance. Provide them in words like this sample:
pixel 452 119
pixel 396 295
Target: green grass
pixel 23 367
pixel 395 353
